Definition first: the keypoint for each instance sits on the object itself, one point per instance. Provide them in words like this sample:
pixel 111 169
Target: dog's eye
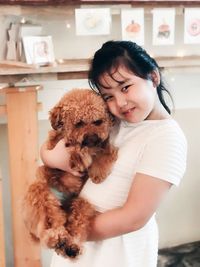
pixel 60 124
pixel 79 124
pixel 67 144
pixel 98 122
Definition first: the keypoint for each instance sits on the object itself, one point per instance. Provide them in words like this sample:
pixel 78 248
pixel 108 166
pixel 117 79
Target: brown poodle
pixel 54 214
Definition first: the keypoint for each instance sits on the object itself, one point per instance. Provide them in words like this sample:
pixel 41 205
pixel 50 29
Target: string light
pixel 172 79
pixel 181 53
pixel 68 25
pixel 23 21
pixel 60 61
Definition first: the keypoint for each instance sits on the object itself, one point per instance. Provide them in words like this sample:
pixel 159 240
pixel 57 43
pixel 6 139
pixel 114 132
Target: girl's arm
pixel 58 157
pixel 144 198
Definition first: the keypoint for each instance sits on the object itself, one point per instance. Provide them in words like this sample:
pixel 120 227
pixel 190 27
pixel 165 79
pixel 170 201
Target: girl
pixel 151 158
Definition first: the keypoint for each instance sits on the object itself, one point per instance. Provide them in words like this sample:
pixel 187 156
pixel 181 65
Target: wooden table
pixel 21 111
pixel 2 240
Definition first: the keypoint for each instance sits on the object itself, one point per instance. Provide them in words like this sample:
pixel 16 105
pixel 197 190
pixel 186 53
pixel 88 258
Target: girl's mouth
pixel 128 112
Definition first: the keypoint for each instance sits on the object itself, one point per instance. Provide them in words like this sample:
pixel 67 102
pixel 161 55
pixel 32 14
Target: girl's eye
pixel 125 88
pixel 107 98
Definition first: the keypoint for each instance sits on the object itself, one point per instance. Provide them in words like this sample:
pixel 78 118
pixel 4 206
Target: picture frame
pixel 132 25
pixel 163 26
pixel 93 21
pixel 192 26
pixel 38 49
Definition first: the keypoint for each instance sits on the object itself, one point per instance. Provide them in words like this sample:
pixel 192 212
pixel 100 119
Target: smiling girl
pixel 151 158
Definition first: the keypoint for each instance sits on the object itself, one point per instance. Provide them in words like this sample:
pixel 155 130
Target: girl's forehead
pixel 115 77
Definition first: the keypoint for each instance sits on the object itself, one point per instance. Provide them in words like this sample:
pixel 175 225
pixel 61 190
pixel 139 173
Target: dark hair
pixel 114 53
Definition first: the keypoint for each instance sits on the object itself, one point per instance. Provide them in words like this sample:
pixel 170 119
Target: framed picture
pixel 93 21
pixel 163 26
pixel 192 26
pixel 38 49
pixel 132 25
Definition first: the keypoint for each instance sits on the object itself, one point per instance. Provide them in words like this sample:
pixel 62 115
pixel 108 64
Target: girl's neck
pixel 158 113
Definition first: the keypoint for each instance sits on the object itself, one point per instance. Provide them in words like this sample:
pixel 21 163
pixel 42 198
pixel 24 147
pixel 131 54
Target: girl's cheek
pixel 111 106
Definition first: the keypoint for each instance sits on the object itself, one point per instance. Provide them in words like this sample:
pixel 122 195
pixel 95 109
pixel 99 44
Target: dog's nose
pixel 91 140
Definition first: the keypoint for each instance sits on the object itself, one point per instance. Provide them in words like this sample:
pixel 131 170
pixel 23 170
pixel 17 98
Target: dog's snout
pixel 91 140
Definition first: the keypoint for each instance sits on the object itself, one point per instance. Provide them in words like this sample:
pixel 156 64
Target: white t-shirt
pixel 154 147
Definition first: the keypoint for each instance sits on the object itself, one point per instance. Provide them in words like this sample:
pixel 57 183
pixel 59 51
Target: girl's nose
pixel 121 101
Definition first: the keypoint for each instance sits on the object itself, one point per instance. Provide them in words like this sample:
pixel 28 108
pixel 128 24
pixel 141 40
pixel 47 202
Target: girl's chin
pixel 131 119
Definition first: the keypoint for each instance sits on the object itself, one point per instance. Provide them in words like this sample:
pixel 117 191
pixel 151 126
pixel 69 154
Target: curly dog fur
pixel 81 118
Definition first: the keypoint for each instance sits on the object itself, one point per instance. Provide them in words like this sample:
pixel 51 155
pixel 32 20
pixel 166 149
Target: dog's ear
pixel 56 118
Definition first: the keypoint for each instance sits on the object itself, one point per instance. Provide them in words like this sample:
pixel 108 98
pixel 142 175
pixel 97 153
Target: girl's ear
pixel 155 77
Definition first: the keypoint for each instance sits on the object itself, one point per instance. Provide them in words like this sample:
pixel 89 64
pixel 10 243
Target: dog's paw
pixel 80 161
pixel 97 175
pixel 96 179
pixel 66 250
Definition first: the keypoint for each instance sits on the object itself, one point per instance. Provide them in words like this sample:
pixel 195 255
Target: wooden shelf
pixel 70 66
pixel 143 2
pixel 78 66
pixel 179 62
pixel 82 2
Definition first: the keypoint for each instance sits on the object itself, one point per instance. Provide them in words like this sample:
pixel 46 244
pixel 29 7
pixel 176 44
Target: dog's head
pixel 82 117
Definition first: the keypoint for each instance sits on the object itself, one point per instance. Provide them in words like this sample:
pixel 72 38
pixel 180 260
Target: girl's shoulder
pixel 168 129
pixel 148 131
pixel 165 152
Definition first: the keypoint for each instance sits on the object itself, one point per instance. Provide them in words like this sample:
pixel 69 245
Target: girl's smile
pixel 128 112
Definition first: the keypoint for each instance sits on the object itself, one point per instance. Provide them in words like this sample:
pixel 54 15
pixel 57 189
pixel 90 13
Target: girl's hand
pixel 58 157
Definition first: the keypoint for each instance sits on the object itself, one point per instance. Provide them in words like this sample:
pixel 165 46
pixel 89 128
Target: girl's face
pixel 130 97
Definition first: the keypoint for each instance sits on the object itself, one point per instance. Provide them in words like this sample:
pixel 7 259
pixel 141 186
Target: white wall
pixel 178 216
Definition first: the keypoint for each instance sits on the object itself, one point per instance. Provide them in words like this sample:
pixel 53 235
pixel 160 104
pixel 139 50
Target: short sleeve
pixel 164 155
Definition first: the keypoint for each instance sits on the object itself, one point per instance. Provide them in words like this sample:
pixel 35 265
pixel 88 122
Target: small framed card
pixel 192 26
pixel 38 49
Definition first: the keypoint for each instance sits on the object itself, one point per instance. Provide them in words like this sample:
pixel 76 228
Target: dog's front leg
pixel 52 231
pixel 80 159
pixel 80 218
pixel 102 164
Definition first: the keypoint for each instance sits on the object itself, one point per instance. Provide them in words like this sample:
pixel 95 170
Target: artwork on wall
pixel 92 21
pixel 25 41
pixel 192 26
pixel 38 49
pixel 132 25
pixel 163 26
